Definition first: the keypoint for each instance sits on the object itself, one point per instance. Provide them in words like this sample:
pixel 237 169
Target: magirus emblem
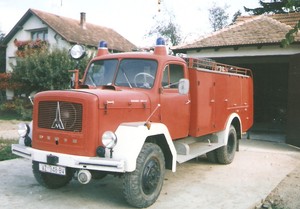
pixel 57 123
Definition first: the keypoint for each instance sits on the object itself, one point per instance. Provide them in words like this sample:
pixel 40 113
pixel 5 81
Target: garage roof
pixel 249 30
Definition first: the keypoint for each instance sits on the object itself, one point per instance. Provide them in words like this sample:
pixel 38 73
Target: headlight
pixel 23 129
pixel 109 139
pixel 77 52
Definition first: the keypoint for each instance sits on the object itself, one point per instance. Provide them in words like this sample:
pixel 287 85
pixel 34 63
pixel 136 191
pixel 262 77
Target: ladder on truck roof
pixel 215 66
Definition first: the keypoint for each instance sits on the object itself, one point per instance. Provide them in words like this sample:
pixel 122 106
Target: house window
pixel 39 35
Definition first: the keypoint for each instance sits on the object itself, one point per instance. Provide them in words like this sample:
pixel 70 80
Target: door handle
pixel 188 102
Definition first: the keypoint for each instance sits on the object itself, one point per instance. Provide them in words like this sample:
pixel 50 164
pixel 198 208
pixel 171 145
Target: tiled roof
pixel 72 31
pixel 289 19
pixel 250 30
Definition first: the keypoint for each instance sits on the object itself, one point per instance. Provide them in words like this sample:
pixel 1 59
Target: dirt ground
pixel 8 129
pixel 285 196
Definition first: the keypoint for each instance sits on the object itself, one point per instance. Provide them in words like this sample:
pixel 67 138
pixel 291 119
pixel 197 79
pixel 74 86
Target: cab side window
pixel 171 76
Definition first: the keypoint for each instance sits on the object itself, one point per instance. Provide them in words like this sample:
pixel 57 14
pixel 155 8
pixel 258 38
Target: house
pixel 254 42
pixel 60 32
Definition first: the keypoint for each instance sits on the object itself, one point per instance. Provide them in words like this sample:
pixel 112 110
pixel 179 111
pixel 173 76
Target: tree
pixel 2 35
pixel 2 53
pixel 275 7
pixel 236 15
pixel 3 78
pixel 279 7
pixel 290 36
pixel 167 28
pixel 45 70
pixel 218 17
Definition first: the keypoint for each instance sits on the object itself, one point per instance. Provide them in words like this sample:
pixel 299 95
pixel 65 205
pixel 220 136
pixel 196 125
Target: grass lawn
pixel 8 116
pixel 5 149
pixel 5 144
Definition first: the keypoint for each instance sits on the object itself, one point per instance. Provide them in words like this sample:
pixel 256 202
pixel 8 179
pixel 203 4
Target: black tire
pixel 212 156
pixel 51 181
pixel 142 187
pixel 226 153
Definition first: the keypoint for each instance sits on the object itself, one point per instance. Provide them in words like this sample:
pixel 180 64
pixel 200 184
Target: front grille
pixel 59 115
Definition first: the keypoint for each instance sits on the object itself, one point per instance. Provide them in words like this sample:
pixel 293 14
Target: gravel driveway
pixel 260 170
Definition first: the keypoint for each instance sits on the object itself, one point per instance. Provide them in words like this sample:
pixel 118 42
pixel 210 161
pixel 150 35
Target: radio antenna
pixel 147 123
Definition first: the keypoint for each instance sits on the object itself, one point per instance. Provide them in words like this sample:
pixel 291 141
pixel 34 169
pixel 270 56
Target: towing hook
pixel 84 176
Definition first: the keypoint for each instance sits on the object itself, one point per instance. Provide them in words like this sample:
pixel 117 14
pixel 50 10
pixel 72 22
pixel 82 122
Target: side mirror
pixel 184 86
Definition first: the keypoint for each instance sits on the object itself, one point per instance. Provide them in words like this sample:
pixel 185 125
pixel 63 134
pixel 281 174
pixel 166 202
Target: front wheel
pixel 51 181
pixel 142 186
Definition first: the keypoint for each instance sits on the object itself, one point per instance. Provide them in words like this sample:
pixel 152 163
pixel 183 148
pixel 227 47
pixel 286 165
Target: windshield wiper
pixel 92 81
pixel 126 78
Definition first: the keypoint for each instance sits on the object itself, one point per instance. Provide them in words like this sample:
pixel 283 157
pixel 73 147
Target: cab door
pixel 175 107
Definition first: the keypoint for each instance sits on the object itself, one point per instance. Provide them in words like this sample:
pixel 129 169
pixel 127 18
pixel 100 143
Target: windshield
pixel 133 73
pixel 101 72
pixel 138 73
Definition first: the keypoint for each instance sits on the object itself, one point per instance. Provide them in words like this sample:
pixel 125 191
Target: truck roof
pixel 161 55
pixel 139 55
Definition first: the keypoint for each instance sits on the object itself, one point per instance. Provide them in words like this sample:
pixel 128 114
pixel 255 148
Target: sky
pixel 133 19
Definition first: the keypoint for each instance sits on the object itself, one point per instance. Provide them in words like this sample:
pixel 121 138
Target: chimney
pixel 82 20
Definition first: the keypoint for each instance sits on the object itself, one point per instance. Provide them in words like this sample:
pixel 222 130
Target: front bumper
pixel 72 161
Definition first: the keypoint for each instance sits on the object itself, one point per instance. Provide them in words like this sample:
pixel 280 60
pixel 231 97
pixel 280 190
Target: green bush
pixel 38 71
pixel 21 107
pixel 46 70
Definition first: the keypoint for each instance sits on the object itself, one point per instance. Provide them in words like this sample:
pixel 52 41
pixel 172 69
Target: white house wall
pixel 24 34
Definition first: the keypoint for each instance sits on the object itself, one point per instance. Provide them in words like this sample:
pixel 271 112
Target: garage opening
pixel 270 97
pixel 270 76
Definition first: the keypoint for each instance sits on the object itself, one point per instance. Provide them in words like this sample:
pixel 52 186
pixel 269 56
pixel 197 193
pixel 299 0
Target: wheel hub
pixel 150 176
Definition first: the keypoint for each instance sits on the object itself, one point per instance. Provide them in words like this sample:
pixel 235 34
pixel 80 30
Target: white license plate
pixel 59 170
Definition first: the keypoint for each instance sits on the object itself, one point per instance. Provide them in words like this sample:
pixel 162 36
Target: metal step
pixel 191 147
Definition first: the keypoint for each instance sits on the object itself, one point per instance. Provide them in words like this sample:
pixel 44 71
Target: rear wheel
pixel 51 181
pixel 142 186
pixel 212 156
pixel 226 153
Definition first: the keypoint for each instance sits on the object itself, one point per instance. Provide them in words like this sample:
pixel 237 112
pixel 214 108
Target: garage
pixel 255 42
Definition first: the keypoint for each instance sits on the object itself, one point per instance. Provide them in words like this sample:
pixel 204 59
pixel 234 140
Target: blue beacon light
pixel 102 44
pixel 160 42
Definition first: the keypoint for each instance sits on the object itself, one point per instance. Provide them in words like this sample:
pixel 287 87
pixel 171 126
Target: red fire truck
pixel 134 115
